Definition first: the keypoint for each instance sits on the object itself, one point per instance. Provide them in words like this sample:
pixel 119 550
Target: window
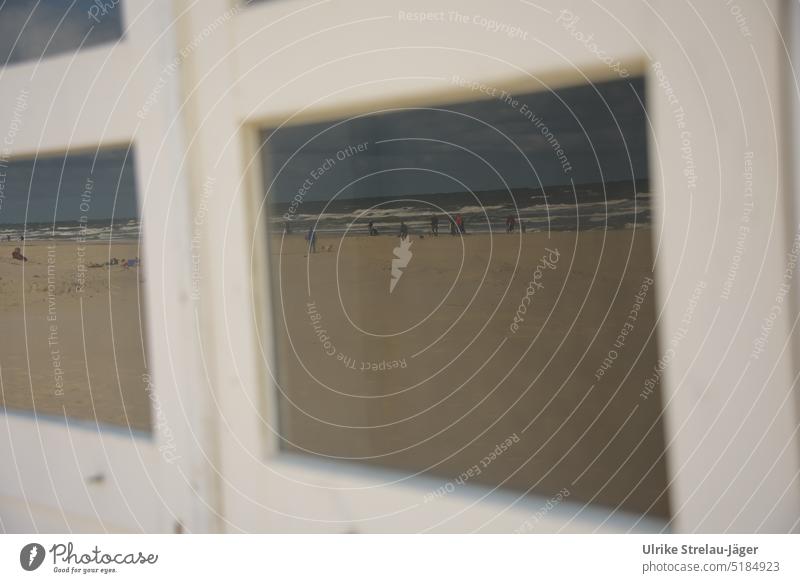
pixel 73 339
pixel 34 30
pixel 467 291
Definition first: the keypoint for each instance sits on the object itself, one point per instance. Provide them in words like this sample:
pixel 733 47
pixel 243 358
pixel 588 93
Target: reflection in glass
pixel 30 31
pixel 73 336
pixel 466 291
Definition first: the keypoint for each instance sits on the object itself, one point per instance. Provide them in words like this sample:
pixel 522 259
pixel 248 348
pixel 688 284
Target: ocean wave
pixel 90 231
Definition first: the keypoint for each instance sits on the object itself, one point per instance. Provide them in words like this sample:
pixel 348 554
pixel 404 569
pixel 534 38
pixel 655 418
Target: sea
pixel 90 230
pixel 623 205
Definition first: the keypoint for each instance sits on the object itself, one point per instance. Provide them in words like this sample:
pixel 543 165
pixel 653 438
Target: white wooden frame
pixel 77 102
pixel 316 59
pixel 304 60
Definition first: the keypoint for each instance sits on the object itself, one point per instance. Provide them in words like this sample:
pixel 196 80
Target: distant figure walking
pixel 522 226
pixel 372 230
pixel 435 226
pixel 510 223
pixel 311 237
pixel 403 230
pixel 17 254
pixel 287 228
pixel 453 227
pixel 460 224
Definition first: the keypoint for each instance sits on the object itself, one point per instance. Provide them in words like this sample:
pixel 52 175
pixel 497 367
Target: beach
pixel 72 341
pixel 513 360
pixel 535 345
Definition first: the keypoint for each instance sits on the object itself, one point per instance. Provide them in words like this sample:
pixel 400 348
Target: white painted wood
pixel 300 60
pixel 731 419
pixel 82 101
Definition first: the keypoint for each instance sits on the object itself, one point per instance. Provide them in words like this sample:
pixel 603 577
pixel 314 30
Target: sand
pixel 434 377
pixel 72 336
pixel 437 375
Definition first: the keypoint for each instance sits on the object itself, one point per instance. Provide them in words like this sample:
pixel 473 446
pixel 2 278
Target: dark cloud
pixel 600 128
pixel 50 188
pixel 33 30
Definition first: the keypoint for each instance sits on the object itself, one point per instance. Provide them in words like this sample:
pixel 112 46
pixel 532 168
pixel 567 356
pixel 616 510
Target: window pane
pixel 466 291
pixel 34 30
pixel 72 311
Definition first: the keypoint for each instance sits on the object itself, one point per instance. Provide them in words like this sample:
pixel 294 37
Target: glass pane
pixel 34 30
pixel 73 341
pixel 466 291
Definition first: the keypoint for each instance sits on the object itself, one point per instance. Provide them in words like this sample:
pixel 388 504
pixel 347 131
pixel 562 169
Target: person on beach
pixel 510 223
pixel 311 237
pixel 17 254
pixel 403 230
pixel 287 228
pixel 453 227
pixel 435 226
pixel 460 224
pixel 372 230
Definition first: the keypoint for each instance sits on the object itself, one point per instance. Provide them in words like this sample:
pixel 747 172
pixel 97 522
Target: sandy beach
pixel 486 344
pixel 483 339
pixel 72 335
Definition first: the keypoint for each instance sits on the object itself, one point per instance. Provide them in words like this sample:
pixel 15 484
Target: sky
pixel 605 120
pixel 31 30
pixel 51 187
